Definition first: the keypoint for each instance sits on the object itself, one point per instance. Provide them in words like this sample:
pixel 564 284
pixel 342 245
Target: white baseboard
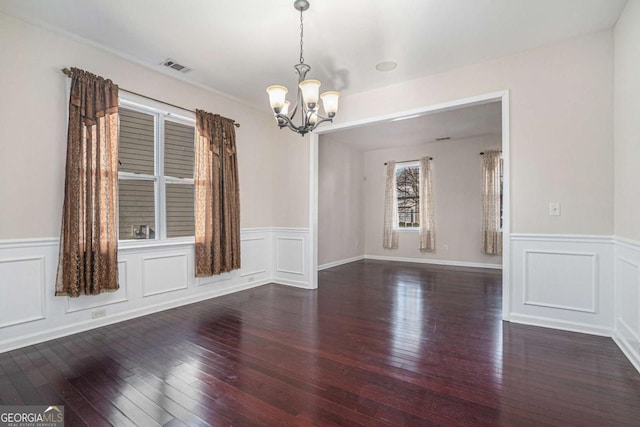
pixel 436 261
pixel 544 322
pixel 290 282
pixel 628 351
pixel 340 262
pixel 50 334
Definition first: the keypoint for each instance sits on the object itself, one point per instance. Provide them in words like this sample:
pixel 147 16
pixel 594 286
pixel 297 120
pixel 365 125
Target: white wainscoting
pixel 108 298
pixel 27 282
pixel 627 319
pixel 152 278
pixel 292 261
pixel 587 284
pixel 563 282
pixel 253 247
pixel 167 272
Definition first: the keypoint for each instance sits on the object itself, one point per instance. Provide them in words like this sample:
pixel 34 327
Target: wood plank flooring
pixel 378 344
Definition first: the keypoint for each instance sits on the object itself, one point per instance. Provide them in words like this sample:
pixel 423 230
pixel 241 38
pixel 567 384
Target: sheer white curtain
pixel 491 203
pixel 390 237
pixel 427 223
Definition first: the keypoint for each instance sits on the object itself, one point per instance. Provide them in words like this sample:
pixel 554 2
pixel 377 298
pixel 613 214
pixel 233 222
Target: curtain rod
pixel 67 73
pixel 409 161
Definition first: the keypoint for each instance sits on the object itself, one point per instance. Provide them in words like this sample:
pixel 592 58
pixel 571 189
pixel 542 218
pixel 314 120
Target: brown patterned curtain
pixel 88 261
pixel 217 197
pixel 491 203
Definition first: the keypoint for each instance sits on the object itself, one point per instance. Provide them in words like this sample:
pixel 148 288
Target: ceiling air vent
pixel 170 63
pixel 444 138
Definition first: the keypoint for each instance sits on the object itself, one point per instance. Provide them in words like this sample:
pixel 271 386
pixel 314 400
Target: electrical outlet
pixel 252 278
pixel 554 209
pixel 445 248
pixel 96 314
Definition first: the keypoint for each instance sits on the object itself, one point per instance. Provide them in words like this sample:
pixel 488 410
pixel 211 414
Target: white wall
pixel 457 187
pixel 627 178
pixel 341 218
pixel 33 109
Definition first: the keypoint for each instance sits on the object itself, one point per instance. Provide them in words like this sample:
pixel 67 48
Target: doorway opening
pixel 481 121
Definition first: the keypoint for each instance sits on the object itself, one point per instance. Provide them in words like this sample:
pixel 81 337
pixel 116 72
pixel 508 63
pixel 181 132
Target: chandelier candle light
pixel 307 98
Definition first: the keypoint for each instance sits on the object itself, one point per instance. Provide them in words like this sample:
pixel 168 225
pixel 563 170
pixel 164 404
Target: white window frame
pixel 161 112
pixel 399 166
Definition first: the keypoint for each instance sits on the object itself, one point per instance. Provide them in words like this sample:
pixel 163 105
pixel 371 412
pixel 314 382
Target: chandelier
pixel 307 98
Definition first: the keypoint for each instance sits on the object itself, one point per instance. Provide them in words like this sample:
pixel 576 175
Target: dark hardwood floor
pixel 378 344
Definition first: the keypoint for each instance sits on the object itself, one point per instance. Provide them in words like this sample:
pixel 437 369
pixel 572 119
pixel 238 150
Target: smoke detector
pixel 170 63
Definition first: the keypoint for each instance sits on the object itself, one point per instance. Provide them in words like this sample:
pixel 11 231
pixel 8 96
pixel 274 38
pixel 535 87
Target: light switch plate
pixel 554 209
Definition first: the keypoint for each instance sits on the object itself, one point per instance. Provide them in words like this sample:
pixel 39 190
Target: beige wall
pixel 561 127
pixel 290 164
pixel 33 130
pixel 457 186
pixel 341 219
pixel 627 122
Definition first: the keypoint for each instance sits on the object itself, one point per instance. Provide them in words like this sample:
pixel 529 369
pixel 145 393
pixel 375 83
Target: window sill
pixel 408 230
pixel 154 244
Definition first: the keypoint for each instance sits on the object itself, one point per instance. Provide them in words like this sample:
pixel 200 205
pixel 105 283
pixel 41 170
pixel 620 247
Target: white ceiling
pixel 458 124
pixel 241 47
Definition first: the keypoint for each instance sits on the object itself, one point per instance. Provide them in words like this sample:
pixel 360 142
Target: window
pixel 155 173
pixel 408 191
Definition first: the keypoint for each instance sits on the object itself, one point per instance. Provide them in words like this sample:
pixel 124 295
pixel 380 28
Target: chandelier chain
pixel 301 35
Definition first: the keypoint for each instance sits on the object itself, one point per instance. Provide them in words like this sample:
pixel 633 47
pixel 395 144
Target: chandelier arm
pixel 322 120
pixel 293 113
pixel 298 129
pixel 301 105
pixel 305 128
pixel 286 121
